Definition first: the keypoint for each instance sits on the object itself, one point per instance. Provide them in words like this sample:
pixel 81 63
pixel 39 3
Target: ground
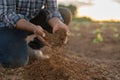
pixel 92 53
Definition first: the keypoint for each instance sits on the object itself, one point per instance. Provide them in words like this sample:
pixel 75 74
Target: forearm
pixel 22 24
pixel 54 21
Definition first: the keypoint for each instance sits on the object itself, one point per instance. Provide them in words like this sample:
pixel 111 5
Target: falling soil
pixel 57 39
pixel 65 64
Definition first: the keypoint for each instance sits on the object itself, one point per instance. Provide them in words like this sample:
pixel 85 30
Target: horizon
pixel 99 10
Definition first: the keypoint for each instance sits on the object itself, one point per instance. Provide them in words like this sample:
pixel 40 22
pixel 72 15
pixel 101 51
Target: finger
pixel 66 40
pixel 67 30
pixel 68 33
pixel 39 32
pixel 43 34
pixel 54 30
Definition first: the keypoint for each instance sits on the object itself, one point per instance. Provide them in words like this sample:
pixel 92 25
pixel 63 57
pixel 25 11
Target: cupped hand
pixel 58 25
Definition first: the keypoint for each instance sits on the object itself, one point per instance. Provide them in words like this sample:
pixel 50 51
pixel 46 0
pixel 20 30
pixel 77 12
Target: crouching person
pixel 20 18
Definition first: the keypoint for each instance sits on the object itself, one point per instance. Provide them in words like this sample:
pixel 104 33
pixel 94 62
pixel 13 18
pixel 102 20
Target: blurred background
pixel 95 29
pixel 100 10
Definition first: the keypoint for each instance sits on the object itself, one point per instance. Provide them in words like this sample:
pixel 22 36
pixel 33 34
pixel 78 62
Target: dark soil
pixel 81 59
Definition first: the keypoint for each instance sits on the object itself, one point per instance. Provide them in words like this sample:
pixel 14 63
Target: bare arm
pixel 22 24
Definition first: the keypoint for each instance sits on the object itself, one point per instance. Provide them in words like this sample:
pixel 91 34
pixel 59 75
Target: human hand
pixel 56 24
pixel 22 24
pixel 62 26
pixel 39 32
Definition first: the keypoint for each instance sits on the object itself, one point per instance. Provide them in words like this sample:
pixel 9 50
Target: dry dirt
pixel 81 59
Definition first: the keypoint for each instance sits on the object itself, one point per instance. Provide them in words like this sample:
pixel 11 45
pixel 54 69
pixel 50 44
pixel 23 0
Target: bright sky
pixel 101 10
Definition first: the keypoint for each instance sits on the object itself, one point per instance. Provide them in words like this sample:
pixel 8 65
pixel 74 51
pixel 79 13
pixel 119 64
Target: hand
pixel 22 24
pixel 56 24
pixel 64 27
pixel 39 32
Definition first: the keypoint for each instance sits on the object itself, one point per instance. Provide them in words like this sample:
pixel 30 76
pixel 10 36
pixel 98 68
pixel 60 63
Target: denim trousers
pixel 13 47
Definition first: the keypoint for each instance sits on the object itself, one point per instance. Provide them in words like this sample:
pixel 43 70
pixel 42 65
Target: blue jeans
pixel 13 48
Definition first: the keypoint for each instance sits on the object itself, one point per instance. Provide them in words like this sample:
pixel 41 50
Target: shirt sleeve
pixel 8 13
pixel 52 8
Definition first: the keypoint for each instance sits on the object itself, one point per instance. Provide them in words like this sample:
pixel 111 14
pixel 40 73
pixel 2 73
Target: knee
pixel 66 15
pixel 20 63
pixel 15 64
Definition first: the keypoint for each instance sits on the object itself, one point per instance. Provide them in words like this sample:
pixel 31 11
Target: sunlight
pixel 101 10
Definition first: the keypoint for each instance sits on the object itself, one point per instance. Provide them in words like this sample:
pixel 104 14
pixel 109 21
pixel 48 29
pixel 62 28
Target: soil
pixel 80 59
pixel 56 39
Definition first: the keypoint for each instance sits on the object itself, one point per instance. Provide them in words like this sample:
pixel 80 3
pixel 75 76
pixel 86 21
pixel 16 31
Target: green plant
pixel 82 19
pixel 116 32
pixel 98 37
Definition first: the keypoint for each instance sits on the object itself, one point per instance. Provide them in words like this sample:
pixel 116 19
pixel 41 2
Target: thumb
pixel 54 29
pixel 40 31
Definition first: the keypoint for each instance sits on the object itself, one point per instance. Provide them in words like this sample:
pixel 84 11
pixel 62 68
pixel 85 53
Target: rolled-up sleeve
pixel 52 8
pixel 8 13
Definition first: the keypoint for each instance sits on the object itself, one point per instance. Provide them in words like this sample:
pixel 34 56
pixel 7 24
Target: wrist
pixel 32 27
pixel 25 25
pixel 54 21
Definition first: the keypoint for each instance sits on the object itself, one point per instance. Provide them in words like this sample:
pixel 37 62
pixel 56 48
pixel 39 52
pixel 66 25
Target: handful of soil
pixel 57 39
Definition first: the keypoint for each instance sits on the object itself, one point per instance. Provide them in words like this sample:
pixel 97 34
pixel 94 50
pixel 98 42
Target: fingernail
pixel 68 33
pixel 43 35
